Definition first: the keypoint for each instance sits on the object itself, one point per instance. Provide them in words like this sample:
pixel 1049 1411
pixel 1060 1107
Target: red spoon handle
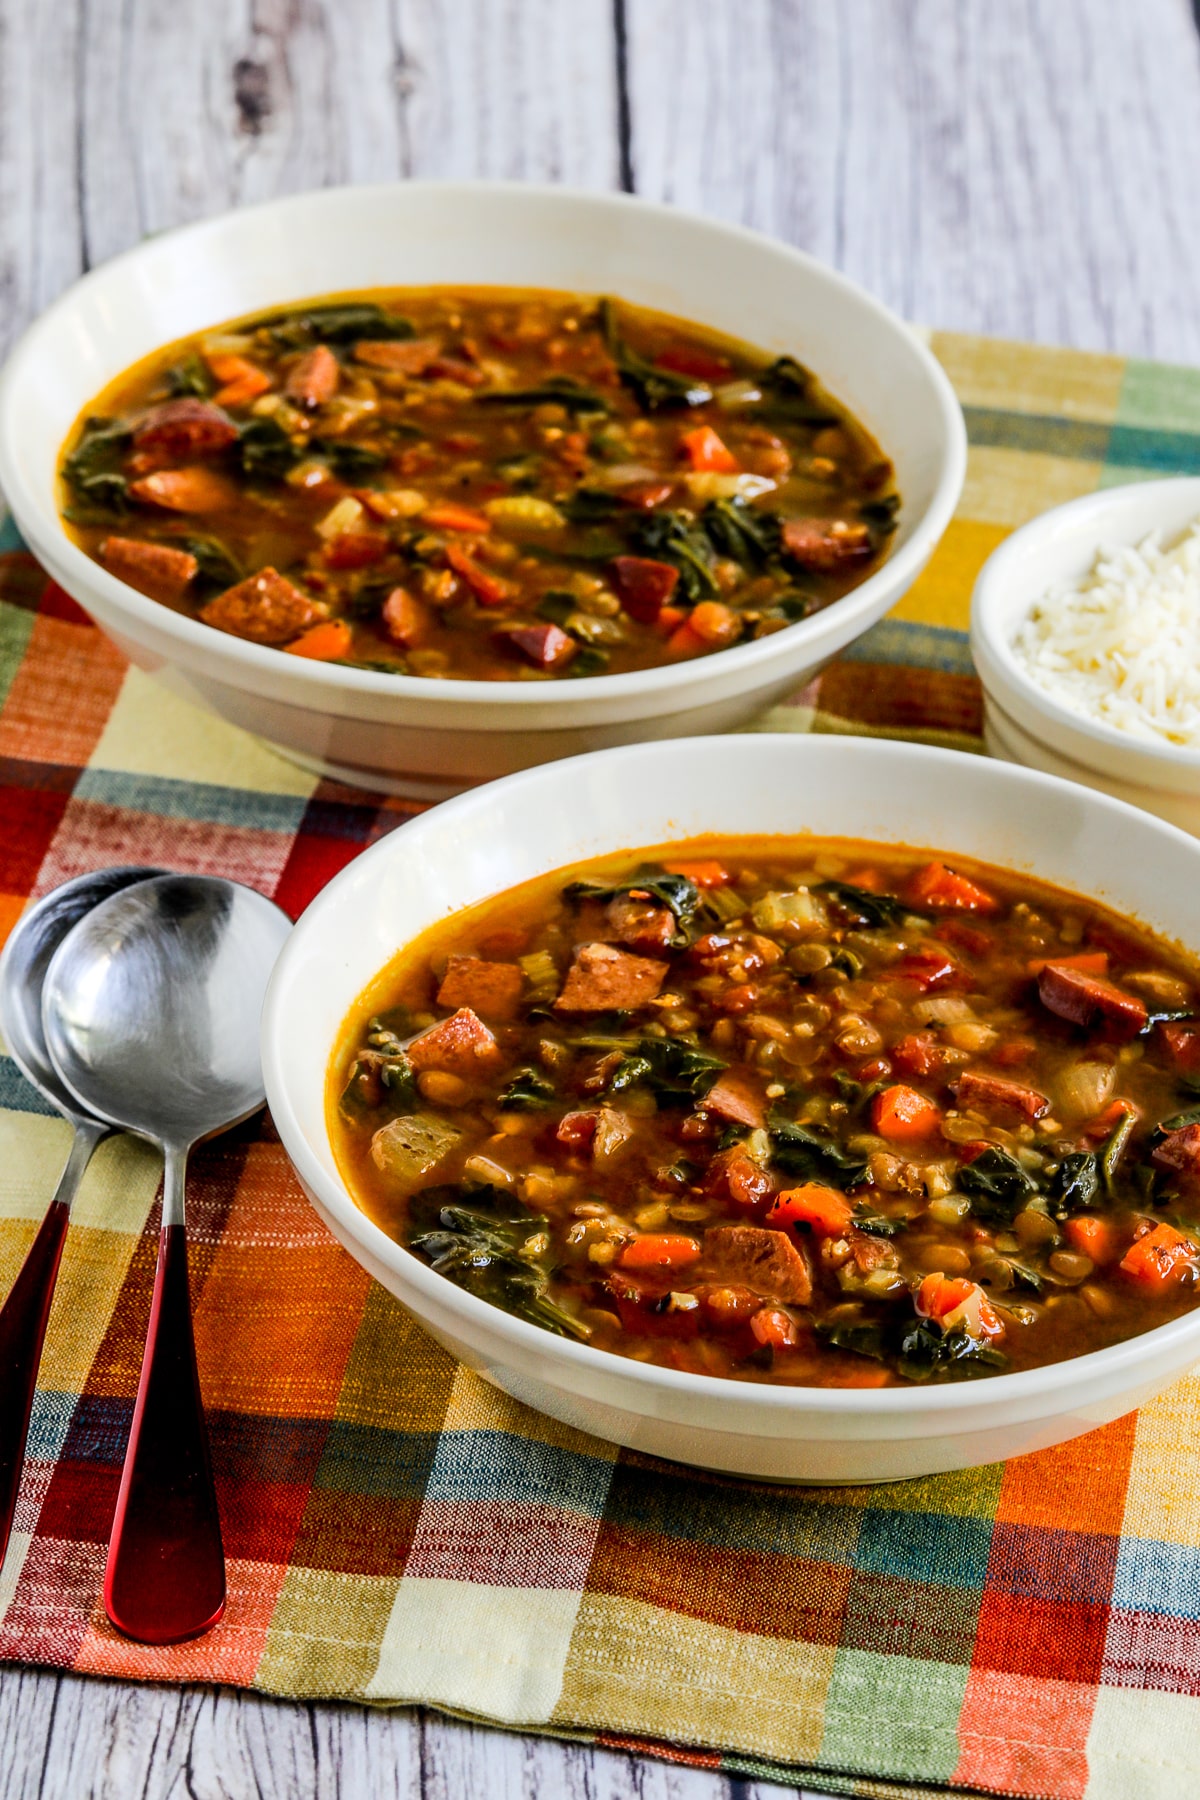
pixel 165 1578
pixel 23 1325
pixel 22 1329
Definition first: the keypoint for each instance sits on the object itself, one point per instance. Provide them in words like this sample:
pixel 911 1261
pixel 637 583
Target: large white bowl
pixel 1022 722
pixel 430 738
pixel 538 821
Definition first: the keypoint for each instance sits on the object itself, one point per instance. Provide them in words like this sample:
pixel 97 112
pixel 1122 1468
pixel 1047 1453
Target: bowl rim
pixel 43 525
pixel 1025 1385
pixel 991 644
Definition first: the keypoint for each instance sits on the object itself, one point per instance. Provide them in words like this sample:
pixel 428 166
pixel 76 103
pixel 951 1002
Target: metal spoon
pixel 24 1314
pixel 151 1013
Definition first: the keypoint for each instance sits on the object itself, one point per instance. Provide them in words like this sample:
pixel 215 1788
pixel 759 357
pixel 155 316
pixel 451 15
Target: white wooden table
pixel 1021 167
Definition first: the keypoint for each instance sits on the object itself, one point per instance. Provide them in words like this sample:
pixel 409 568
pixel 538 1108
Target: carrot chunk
pixel 827 1212
pixel 660 1250
pixel 773 1328
pixel 945 890
pixel 325 642
pixel 716 623
pixel 705 451
pixel 488 589
pixel 940 1294
pixel 704 874
pixel 1094 1237
pixel 902 1115
pixel 1159 1256
pixel 685 642
pixel 446 516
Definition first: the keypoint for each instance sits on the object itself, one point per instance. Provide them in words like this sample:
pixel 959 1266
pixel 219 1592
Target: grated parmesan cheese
pixel 1123 647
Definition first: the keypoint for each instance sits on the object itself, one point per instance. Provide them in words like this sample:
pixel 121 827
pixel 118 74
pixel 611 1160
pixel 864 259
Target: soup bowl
pixel 543 819
pixel 429 738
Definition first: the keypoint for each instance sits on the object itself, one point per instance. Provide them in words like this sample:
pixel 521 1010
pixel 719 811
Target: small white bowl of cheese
pixel 1085 630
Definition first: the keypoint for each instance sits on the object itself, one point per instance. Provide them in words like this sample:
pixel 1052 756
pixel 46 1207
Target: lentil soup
pixel 797 1110
pixel 478 484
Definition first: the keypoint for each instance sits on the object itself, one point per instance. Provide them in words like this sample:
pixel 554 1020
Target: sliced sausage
pixel 604 979
pixel 180 430
pixel 1090 1001
pixel 154 569
pixel 738 1097
pixel 992 1093
pixel 766 1261
pixel 492 989
pixel 461 1045
pixel 265 608
pixel 314 378
pixel 400 357
pixel 826 544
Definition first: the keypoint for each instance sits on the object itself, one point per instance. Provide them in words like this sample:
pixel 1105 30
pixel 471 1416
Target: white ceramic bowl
pixel 430 738
pixel 538 821
pixel 1024 724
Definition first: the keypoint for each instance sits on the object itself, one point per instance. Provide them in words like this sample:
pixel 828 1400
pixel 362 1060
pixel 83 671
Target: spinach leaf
pixel 927 1353
pixel 1075 1185
pixel 874 1223
pixel 671 537
pixel 216 563
pixel 484 1240
pixel 265 448
pixel 855 1093
pixel 189 376
pixel 557 606
pixel 655 388
pixel 677 893
pixel 881 513
pixel 1112 1151
pixel 999 1187
pixel 349 461
pixel 557 390
pixel 336 325
pixel 590 659
pixel 1180 1121
pixel 93 469
pixel 589 506
pixel 675 1072
pixel 787 388
pixel 738 530
pixel 528 1091
pixel 861 907
pixel 798 1150
pixel 866 1337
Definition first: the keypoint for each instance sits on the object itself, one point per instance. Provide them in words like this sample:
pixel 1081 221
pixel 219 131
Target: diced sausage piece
pixel 766 1261
pixel 196 490
pixel 640 924
pixel 602 979
pixel 993 1093
pixel 461 1045
pixel 1179 1153
pixel 406 1149
pixel 643 585
pixel 314 378
pixel 180 430
pixel 265 608
pixel 492 989
pixel 407 619
pixel 545 646
pixel 1090 1001
pixel 736 1096
pixel 577 1129
pixel 154 569
pixel 825 544
pixel 735 1177
pixel 1183 1046
pixel 400 357
pixel 356 549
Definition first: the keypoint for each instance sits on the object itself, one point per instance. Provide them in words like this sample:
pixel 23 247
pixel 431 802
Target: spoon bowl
pixel 151 1010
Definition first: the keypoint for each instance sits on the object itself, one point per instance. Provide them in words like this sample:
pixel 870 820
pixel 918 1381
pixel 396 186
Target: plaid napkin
pixel 397 1530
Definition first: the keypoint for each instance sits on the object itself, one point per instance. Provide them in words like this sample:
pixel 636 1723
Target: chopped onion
pixel 737 393
pixel 1084 1088
pixel 626 475
pixel 945 1010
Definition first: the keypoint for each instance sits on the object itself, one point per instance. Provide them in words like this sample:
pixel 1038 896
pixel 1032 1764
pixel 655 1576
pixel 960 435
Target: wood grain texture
pixel 1024 169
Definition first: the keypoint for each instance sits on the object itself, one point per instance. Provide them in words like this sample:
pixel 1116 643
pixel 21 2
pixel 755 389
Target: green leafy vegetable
pixel 556 390
pixel 1076 1184
pixel 672 537
pixel 799 1150
pixel 740 531
pixel 1180 1121
pixel 557 606
pixel 216 563
pixel 787 389
pixel 674 1071
pixel 873 1223
pixel 859 906
pixel 349 461
pixel 485 1241
pixel 528 1091
pixel 677 893
pixel 93 469
pixel 1113 1149
pixel 589 660
pixel 866 1337
pixel 881 513
pixel 655 388
pixel 337 325
pixel 590 506
pixel 927 1353
pixel 999 1187
pixel 189 376
pixel 265 448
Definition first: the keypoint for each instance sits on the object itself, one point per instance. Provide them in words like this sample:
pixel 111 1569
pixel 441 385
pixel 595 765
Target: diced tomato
pixel 945 890
pixel 325 642
pixel 446 516
pixel 1094 1237
pixel 823 1209
pixel 577 1129
pixel 1090 1001
pixel 929 969
pixel 921 1054
pixel 1159 1256
pixel 706 452
pixel 488 589
pixel 735 1177
pixel 691 359
pixel 356 550
pixel 643 585
pixel 705 874
pixel 992 1093
pixel 645 1311
pixel 902 1115
pixel 1179 1153
pixel 1183 1046
pixel 740 997
pixel 1012 1052
pixel 969 1151
pixel 775 1329
pixel 965 937
pixel 940 1294
pixel 660 1250
pixel 958 1305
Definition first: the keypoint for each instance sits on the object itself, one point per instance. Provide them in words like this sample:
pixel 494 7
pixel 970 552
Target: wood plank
pixel 1025 170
